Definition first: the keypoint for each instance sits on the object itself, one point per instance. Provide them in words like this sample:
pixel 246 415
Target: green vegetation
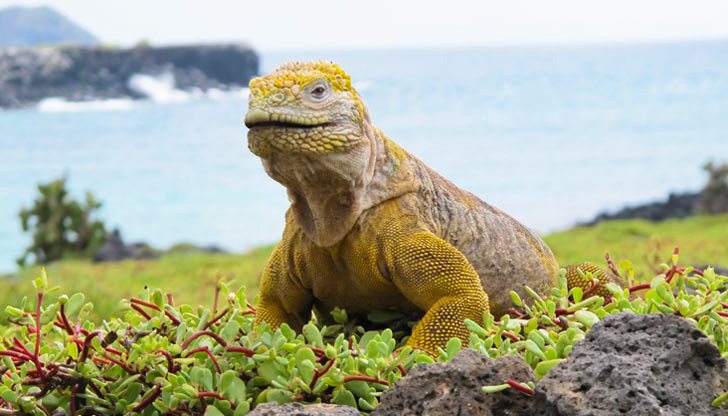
pixel 158 358
pixel 702 239
pixel 61 226
pixel 190 276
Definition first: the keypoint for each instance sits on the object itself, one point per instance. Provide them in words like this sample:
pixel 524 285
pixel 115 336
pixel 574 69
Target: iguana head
pixel 313 134
pixel 304 108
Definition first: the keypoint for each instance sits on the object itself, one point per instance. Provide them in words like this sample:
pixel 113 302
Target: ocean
pixel 551 135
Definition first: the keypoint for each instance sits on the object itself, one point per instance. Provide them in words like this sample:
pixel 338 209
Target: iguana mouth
pixel 261 118
pixel 285 125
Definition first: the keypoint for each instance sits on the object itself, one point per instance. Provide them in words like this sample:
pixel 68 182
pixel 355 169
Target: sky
pixel 341 24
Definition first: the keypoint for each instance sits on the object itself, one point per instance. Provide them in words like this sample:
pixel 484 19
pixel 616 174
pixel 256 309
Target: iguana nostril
pixel 276 99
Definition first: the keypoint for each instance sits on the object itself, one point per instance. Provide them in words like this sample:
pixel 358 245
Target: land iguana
pixel 372 227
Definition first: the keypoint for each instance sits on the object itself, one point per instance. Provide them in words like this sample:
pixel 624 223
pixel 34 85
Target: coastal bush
pixel 60 225
pixel 161 358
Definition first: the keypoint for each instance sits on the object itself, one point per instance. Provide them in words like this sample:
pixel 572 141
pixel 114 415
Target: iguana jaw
pixel 259 118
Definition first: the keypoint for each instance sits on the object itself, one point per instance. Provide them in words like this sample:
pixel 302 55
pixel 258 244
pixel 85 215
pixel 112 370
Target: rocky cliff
pixel 78 73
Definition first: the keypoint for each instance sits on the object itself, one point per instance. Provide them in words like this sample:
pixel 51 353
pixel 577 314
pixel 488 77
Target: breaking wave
pixel 159 88
pixel 155 88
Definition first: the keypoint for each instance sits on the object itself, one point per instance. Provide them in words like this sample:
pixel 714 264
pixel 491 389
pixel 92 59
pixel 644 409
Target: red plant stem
pixel 242 350
pixel 96 389
pixel 203 333
pixel 64 319
pixel 511 336
pixel 37 325
pixel 611 265
pixel 170 299
pixel 17 355
pixel 562 323
pixel 151 397
pixel 217 318
pixel 643 286
pixel 137 302
pixel 171 317
pixel 352 343
pixel 74 392
pixel 562 311
pixel 517 313
pixel 327 367
pixel 217 296
pixel 320 354
pixel 698 272
pixel 725 314
pixel 87 345
pixel 18 323
pixel 43 409
pixel 670 274
pixel 36 352
pixel 141 311
pixel 101 360
pixel 170 360
pixel 145 303
pixel 520 387
pixel 21 347
pixel 248 312
pixel 590 290
pixel 367 379
pixel 114 351
pixel 120 364
pixel 209 354
pixel 402 370
pixel 214 395
pixel 317 374
pixel 723 304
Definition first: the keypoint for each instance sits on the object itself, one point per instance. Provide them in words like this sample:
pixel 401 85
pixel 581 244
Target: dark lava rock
pixel 298 409
pixel 114 249
pixel 454 388
pixel 676 206
pixel 636 365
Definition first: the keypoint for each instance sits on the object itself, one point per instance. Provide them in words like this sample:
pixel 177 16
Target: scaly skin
pixel 372 227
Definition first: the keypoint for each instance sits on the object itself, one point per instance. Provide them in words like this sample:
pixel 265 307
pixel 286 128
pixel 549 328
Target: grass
pixel 702 240
pixel 191 277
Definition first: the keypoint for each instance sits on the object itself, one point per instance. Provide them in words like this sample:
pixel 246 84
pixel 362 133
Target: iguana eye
pixel 318 92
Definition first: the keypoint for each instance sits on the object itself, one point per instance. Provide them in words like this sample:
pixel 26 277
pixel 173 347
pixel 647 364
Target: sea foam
pixel 159 88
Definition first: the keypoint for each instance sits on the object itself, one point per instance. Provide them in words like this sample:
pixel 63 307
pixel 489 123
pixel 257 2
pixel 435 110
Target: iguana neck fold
pixel 328 199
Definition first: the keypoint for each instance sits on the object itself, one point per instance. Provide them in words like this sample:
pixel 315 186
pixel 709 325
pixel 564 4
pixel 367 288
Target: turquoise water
pixel 551 135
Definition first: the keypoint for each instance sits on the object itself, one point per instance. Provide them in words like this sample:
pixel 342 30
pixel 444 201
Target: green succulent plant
pixel 158 358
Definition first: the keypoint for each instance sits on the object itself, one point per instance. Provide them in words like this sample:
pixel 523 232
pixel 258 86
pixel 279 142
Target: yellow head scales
pixel 290 78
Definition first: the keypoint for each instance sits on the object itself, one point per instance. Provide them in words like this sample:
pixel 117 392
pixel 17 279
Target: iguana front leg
pixel 437 278
pixel 282 297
